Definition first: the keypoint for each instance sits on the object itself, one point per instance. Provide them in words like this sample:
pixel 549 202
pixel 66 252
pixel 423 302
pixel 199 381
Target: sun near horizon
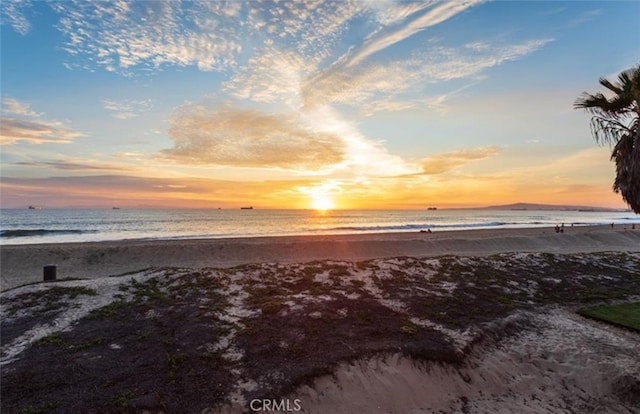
pixel 323 203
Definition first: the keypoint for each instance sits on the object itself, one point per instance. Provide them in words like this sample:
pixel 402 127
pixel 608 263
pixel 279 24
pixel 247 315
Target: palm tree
pixel 615 121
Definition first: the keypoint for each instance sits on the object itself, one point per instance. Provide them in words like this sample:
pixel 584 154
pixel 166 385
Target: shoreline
pixel 351 234
pixel 23 264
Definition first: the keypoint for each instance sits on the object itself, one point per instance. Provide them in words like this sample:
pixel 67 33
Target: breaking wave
pixel 41 232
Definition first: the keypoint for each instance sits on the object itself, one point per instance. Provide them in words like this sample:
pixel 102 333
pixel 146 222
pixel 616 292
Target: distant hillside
pixel 533 206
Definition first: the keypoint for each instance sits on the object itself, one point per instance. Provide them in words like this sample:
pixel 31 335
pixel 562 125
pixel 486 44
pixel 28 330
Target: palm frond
pixel 606 130
pixel 613 88
pixel 591 103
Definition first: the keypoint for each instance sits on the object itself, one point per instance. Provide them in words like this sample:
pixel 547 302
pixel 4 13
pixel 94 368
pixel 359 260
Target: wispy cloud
pixel 441 163
pixel 210 35
pixel 585 17
pixel 313 28
pixel 127 109
pixel 121 35
pixel 35 132
pixel 377 83
pixel 553 11
pixel 26 125
pixel 250 138
pixel 389 12
pixel 276 76
pixel 13 13
pixel 67 165
pixel 437 14
pixel 273 75
pixel 15 107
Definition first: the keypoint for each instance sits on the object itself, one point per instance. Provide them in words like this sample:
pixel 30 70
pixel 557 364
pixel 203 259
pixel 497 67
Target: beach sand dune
pixel 561 362
pixel 21 264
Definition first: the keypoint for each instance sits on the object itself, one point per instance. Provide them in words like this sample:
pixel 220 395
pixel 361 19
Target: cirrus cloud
pixel 12 12
pixel 373 85
pixel 127 109
pixel 121 35
pixel 437 14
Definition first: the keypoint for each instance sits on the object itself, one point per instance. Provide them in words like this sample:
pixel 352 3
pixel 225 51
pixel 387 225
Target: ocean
pixel 23 226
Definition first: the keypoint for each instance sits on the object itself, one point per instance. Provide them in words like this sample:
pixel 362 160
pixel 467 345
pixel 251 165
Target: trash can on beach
pixel 49 273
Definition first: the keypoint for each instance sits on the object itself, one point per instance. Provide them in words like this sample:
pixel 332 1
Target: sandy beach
pixel 473 321
pixel 20 264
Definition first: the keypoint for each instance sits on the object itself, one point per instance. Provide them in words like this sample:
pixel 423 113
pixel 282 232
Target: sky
pixel 368 104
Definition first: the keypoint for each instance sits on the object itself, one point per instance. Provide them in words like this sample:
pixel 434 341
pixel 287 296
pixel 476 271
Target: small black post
pixel 49 272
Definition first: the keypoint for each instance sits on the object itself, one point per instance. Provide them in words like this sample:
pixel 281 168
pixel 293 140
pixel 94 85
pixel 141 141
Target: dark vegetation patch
pixel 466 292
pixel 164 344
pixel 46 304
pixel 45 300
pixel 147 353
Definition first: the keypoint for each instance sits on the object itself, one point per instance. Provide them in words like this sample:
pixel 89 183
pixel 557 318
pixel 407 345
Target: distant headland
pixel 547 207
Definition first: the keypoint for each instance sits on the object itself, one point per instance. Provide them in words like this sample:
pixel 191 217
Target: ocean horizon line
pixel 534 207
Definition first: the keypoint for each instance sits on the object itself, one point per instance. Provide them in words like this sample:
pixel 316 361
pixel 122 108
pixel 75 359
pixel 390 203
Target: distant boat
pixel 35 208
pixel 246 208
pixel 432 208
pixel 115 208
